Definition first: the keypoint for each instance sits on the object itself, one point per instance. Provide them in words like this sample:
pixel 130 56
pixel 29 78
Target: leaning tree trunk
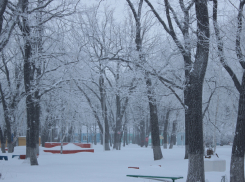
pixel 154 122
pixel 237 154
pixel 150 93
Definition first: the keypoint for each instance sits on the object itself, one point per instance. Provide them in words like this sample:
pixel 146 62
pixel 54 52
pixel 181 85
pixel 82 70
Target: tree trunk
pixel 3 147
pixel 150 93
pixel 124 138
pixel 101 138
pixel 104 108
pixel 237 154
pixel 7 121
pixel 28 141
pixel 87 133
pixel 107 134
pixel 196 163
pixel 173 135
pixel 95 139
pixel 154 123
pixel 133 136
pixel 187 120
pixel 111 140
pixel 28 79
pixel 165 131
pixel 80 136
pixel 32 134
pixel 195 155
pixel 128 136
pixel 3 140
pixel 37 121
pixel 142 133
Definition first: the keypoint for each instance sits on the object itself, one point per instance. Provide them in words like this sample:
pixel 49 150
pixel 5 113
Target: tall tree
pixel 29 70
pixel 150 91
pixel 184 49
pixel 194 76
pixel 6 29
pixel 238 148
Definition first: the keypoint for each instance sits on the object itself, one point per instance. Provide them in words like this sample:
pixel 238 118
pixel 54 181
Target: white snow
pixel 103 166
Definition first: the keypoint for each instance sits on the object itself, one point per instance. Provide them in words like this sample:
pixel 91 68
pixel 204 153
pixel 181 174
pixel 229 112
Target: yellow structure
pixel 22 141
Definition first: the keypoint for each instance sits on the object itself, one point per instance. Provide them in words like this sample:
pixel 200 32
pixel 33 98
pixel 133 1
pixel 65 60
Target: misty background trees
pixel 126 71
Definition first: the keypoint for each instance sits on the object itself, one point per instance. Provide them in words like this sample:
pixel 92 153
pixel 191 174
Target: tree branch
pixel 221 48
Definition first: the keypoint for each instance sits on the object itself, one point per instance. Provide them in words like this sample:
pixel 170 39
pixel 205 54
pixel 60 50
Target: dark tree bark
pixel 173 135
pixel 87 134
pixel 37 123
pixel 142 133
pixel 39 48
pixel 157 153
pixel 129 136
pixel 237 155
pixel 118 128
pixel 7 121
pixel 95 138
pixel 133 136
pixel 125 131
pixel 101 138
pixel 238 148
pixel 196 152
pixel 165 131
pixel 3 140
pixel 154 128
pixel 185 50
pixel 10 105
pixel 111 139
pixel 28 78
pixel 8 108
pixel 194 75
pixel 104 109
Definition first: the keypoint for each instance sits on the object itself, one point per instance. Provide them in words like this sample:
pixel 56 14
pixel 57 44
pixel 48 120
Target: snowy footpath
pixel 103 166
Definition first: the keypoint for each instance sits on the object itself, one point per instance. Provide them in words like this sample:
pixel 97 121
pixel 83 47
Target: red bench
pixel 50 145
pixel 69 151
pixel 83 145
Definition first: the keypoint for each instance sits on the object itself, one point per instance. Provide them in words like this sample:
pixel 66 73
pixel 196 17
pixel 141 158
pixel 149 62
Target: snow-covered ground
pixel 103 166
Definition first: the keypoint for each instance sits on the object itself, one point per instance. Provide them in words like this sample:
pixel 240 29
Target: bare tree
pixel 185 50
pixel 194 73
pixel 238 148
pixel 150 91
